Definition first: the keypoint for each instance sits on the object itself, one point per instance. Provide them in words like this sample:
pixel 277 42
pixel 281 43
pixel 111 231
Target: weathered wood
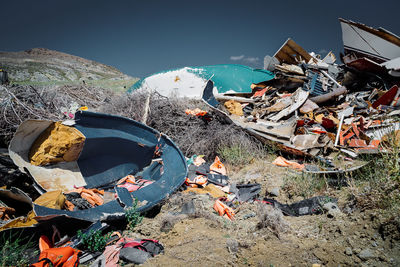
pixel 323 98
pixel 235 98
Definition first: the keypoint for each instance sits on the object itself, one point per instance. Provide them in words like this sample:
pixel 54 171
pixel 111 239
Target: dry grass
pixel 192 134
pixel 272 219
pixel 167 115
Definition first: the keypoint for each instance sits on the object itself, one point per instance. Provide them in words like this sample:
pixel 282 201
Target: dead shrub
pixel 167 115
pixel 192 134
pixel 19 103
pixel 271 218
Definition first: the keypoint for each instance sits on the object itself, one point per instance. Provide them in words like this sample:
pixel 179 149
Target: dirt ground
pixel 262 236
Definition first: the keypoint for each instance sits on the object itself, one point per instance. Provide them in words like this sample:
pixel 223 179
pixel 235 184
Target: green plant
pixel 132 216
pixel 377 185
pixel 236 154
pixel 13 251
pixel 94 240
pixel 303 184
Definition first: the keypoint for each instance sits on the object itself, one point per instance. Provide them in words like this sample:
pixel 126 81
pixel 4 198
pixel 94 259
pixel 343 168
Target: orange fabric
pixel 196 112
pixel 198 160
pixel 44 243
pixel 218 167
pixel 111 254
pixel 319 131
pixel 224 210
pixel 89 198
pixel 91 195
pixel 5 212
pixel 282 162
pixel 63 256
pixel 97 191
pixel 68 204
pixel 261 92
pixel 197 181
pixel 129 179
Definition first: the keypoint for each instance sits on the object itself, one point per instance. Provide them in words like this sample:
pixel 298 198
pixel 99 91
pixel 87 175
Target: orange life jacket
pixel 224 210
pixel 57 257
pixel 198 181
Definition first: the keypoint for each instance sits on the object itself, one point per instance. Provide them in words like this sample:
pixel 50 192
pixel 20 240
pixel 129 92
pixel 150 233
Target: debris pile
pixel 318 109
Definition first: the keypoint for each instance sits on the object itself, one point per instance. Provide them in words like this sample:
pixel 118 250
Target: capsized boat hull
pixel 115 147
pixel 379 45
pixel 190 81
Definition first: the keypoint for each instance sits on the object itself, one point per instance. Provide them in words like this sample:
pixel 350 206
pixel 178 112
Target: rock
pixel 275 191
pixel 134 255
pixel 332 209
pixel 366 254
pixel 232 245
pixel 348 251
pixel 249 215
pixel 188 208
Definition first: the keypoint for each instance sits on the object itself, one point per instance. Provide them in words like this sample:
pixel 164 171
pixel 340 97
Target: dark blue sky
pixel 143 37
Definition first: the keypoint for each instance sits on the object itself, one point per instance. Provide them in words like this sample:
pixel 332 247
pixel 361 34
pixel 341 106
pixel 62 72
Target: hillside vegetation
pixel 41 66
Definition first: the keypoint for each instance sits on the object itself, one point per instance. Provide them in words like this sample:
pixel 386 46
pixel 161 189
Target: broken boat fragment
pixel 114 147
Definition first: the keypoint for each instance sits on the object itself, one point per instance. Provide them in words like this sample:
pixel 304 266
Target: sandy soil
pixel 205 239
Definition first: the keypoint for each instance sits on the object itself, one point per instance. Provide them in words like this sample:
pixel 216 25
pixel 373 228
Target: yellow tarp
pixel 210 189
pixel 21 222
pixel 56 144
pixel 234 107
pixel 52 199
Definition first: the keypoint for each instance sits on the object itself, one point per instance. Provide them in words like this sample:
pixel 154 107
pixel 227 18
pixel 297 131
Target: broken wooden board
pixel 291 53
pixel 298 99
pixel 280 130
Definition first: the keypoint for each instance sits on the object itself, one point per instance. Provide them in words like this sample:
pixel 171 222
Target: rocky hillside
pixel 44 65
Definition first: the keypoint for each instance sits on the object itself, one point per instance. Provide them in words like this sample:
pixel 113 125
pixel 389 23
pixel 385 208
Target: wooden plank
pixel 292 44
pixel 235 98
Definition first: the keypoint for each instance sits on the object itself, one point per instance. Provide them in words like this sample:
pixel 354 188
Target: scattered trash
pixel 94 167
pixel 62 256
pixel 210 189
pixel 129 250
pixel 309 206
pixel 223 209
pixel 282 162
